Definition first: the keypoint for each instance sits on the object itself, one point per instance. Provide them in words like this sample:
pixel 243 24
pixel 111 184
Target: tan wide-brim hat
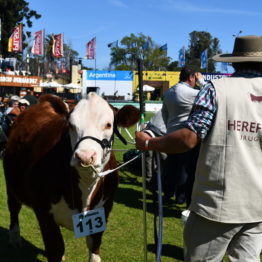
pixel 246 49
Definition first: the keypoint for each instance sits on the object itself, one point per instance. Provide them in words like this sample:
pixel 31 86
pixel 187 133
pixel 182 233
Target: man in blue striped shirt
pixel 205 106
pixel 226 216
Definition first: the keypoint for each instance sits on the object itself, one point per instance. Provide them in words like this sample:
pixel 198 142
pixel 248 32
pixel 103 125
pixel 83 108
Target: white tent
pixel 50 84
pixel 71 85
pixel 147 88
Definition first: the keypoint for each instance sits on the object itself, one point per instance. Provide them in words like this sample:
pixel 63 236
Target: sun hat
pixel 246 49
pixel 16 98
pixel 24 101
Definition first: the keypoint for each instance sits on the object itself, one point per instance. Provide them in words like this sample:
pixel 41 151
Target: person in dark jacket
pixel 30 97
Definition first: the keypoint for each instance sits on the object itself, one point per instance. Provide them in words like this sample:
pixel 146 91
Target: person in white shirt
pixel 177 105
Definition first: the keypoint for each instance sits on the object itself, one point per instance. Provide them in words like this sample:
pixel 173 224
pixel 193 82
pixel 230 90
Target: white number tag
pixel 89 222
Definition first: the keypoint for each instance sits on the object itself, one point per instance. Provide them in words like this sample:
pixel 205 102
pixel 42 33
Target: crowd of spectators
pixel 10 107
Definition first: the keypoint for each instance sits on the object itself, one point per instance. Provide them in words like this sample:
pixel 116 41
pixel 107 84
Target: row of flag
pixel 90 53
pixel 15 42
pixel 38 44
pixel 145 46
pixel 182 58
pixel 15 45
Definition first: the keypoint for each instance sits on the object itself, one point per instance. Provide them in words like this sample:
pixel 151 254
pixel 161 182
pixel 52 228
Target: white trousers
pixel 206 240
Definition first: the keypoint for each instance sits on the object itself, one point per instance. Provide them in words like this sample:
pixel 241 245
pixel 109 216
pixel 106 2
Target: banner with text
pixel 38 45
pixel 90 49
pixel 15 40
pixel 212 76
pixel 110 75
pixel 19 81
pixel 58 50
pixel 110 83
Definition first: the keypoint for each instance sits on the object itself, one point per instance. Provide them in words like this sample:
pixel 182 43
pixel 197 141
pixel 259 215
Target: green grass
pixel 122 241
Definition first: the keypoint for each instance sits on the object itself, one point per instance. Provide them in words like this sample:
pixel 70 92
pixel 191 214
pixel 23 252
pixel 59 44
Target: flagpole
pixel 95 59
pixel 142 121
pixel 38 67
pixel 1 38
pixel 95 71
pixel 115 87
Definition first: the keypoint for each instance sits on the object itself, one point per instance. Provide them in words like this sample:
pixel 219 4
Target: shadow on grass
pixel 133 198
pixel 27 252
pixel 169 251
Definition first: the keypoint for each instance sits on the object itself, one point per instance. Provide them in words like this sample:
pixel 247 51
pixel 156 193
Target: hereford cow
pixel 50 165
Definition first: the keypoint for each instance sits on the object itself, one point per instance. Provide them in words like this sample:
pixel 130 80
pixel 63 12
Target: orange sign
pixel 19 81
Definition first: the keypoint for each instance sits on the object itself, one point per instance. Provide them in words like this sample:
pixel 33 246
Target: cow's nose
pixel 86 158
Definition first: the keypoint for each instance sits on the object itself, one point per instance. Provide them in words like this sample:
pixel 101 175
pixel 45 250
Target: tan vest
pixel 228 184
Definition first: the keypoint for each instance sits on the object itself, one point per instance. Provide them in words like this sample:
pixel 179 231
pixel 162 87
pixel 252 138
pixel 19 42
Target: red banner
pixel 38 45
pixel 15 40
pixel 58 45
pixel 90 49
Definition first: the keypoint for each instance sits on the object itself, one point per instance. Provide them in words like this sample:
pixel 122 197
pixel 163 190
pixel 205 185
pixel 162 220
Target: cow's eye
pixel 108 125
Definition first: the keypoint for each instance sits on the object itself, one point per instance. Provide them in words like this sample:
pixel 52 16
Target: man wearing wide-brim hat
pixel 226 211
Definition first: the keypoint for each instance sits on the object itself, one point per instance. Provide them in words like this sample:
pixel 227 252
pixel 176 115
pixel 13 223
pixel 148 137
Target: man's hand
pixel 141 138
pixel 198 75
pixel 200 80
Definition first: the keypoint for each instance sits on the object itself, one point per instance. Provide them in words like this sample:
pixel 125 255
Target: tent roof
pixel 147 88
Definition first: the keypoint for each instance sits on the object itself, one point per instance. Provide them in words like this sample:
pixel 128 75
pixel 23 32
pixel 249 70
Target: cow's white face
pixel 91 117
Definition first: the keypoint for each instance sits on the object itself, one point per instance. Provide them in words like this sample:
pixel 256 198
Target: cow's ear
pixel 127 116
pixel 56 102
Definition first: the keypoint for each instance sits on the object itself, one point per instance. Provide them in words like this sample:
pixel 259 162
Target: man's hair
pixel 185 73
pixel 257 66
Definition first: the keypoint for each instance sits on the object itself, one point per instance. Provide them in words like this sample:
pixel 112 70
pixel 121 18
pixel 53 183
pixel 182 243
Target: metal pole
pixel 142 121
pixel 140 84
pixel 160 210
pixel 95 71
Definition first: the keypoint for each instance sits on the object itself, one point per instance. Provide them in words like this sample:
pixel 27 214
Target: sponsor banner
pixel 110 75
pixel 113 44
pixel 90 49
pixel 182 57
pixel 210 76
pixel 203 59
pixel 38 45
pixel 58 46
pixel 163 47
pixel 15 40
pixel 20 81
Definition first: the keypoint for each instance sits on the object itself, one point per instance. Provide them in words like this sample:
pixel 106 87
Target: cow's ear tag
pixel 89 222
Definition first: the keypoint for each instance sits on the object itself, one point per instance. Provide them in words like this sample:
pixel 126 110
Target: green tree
pixel 132 48
pixel 173 66
pixel 13 12
pixel 199 41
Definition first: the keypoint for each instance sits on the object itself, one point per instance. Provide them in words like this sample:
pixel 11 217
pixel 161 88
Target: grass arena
pixel 123 239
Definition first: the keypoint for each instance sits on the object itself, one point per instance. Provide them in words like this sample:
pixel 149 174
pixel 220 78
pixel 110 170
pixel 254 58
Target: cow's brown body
pixel 39 174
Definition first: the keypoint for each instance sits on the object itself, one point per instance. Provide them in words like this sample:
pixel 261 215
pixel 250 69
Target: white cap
pixel 24 101
pixel 17 98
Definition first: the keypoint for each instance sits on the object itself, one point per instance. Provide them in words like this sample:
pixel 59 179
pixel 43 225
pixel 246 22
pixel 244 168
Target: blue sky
pixel 166 21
